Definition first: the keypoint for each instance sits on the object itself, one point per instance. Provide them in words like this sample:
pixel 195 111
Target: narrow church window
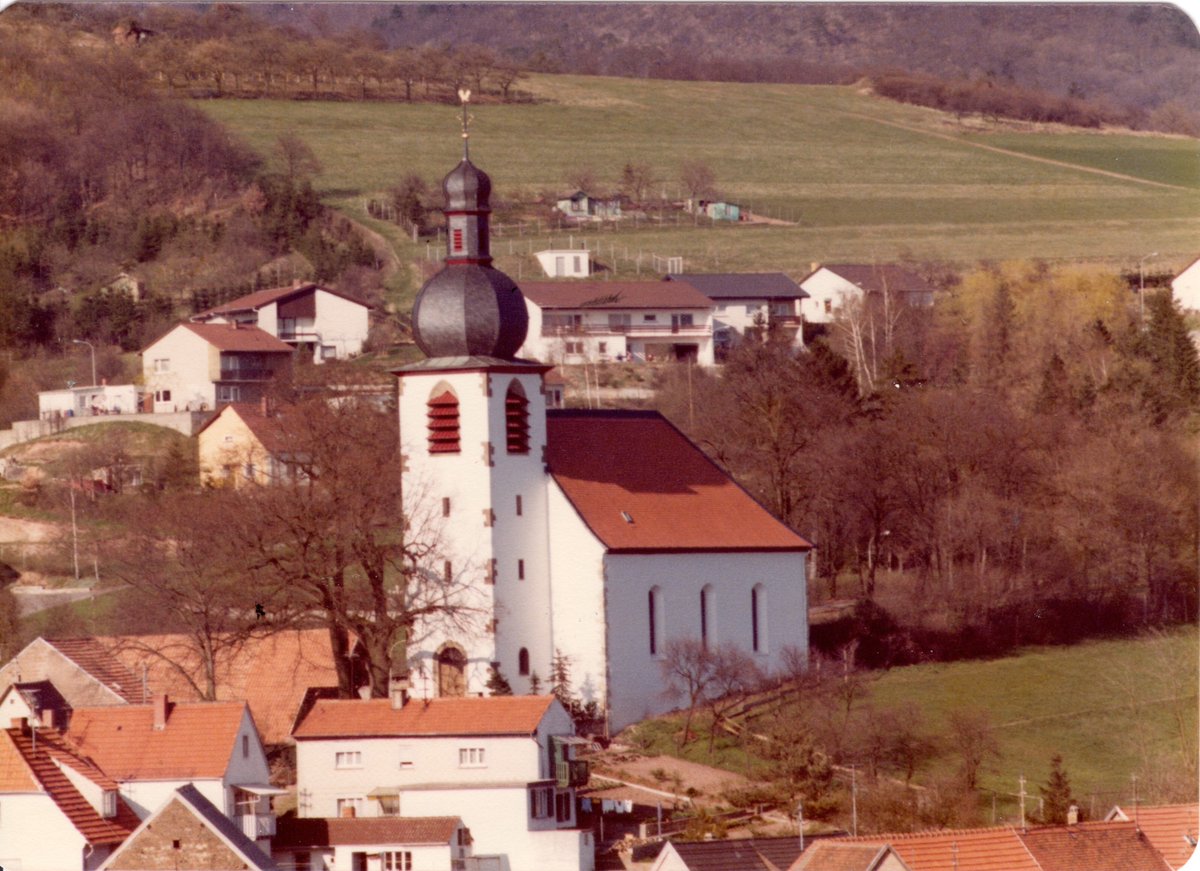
pixel 519 506
pixel 656 619
pixel 516 419
pixel 707 633
pixel 446 506
pixel 443 423
pixel 758 625
pixel 520 570
pixel 447 571
pixel 523 662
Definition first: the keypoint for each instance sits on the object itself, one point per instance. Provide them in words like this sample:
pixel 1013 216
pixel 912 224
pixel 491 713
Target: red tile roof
pixel 832 855
pixel 615 295
pixel 641 486
pixel 259 298
pixel 1168 828
pixel 267 428
pixel 229 337
pixel 996 849
pixel 198 740
pixel 874 278
pixel 15 773
pixel 1115 846
pixel 496 715
pixel 382 831
pixel 98 661
pixel 271 674
pixel 39 760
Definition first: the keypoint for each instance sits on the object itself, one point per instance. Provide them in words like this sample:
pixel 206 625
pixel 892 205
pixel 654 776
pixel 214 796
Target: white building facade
pixel 565 262
pixel 1185 286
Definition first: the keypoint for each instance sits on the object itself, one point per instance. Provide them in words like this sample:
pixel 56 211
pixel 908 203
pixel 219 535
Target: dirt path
pixel 1009 152
pixel 16 531
pixel 381 246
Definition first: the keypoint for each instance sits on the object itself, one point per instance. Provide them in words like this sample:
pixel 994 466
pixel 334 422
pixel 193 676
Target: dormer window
pixel 516 420
pixel 443 424
pixel 108 804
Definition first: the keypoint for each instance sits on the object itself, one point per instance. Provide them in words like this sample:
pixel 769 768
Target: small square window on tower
pixel 446 506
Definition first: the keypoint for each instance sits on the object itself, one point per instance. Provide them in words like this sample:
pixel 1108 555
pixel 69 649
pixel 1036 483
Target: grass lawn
pixel 829 158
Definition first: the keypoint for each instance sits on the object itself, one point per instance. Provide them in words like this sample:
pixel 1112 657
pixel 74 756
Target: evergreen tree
pixel 497 683
pixel 535 684
pixel 1173 355
pixel 1056 794
pixel 560 678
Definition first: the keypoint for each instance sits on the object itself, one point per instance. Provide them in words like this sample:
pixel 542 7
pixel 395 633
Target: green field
pixel 862 178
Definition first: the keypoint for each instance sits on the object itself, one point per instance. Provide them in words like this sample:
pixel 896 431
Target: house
pixel 719 210
pixel 58 811
pixel 746 303
pixel 833 285
pixel 962 849
pixel 1172 829
pixel 320 323
pixel 272 673
pixel 372 843
pixel 188 831
pixel 33 700
pixel 1098 846
pixel 197 367
pixel 833 855
pixel 565 262
pixel 152 750
pixel 591 538
pixel 580 206
pixel 1185 287
pixel 505 765
pixel 88 401
pixel 589 321
pixel 243 443
pixel 740 854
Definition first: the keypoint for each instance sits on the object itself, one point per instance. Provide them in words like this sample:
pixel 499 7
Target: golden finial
pixel 464 94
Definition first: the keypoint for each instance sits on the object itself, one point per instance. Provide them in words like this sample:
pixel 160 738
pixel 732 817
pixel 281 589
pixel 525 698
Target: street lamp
pixel 93 350
pixel 1142 285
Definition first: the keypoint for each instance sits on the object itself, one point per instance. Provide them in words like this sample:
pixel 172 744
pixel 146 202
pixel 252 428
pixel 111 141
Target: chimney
pixel 23 723
pixel 160 711
pixel 48 717
pixel 398 692
pixel 1073 815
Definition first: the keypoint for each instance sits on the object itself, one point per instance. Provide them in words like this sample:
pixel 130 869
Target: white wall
pixel 650 328
pixel 190 362
pixel 79 400
pixel 147 796
pixel 36 836
pixel 341 323
pixel 1186 287
pixel 827 292
pixel 565 263
pixel 637 684
pixel 245 769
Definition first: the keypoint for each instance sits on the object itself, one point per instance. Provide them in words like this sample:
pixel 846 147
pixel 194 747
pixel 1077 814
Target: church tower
pixel 473 437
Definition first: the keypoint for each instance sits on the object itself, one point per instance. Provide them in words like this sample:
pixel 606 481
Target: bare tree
pixel 688 669
pixel 735 677
pixel 974 739
pixel 698 179
pixel 636 181
pixel 299 162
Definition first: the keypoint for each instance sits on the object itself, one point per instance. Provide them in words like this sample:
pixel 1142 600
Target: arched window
pixel 516 419
pixel 443 422
pixel 655 614
pixel 758 618
pixel 451 671
pixel 708 617
pixel 523 662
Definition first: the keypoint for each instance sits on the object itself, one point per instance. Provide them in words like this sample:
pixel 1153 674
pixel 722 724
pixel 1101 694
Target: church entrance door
pixel 451 672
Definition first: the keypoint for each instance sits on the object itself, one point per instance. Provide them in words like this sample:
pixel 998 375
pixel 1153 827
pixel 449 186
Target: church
pixel 598 536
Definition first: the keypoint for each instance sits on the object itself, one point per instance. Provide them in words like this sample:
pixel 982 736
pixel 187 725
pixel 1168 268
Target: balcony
pixel 247 373
pixel 571 773
pixel 635 330
pixel 294 335
pixel 255 826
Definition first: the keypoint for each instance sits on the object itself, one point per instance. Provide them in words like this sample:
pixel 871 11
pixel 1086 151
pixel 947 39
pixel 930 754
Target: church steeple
pixel 469 308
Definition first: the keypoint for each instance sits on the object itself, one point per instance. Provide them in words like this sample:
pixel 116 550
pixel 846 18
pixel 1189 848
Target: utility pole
pixel 1142 286
pixel 1021 795
pixel 854 800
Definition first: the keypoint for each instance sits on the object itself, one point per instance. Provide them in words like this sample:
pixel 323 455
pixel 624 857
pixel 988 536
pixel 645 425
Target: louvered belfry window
pixel 516 420
pixel 443 424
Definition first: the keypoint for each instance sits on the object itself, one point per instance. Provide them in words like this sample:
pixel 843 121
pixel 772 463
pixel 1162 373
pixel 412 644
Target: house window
pixel 400 860
pixel 574 347
pixel 619 323
pixel 443 423
pixel 227 393
pixel 519 506
pixel 523 662
pixel 471 757
pixel 350 807
pixel 602 347
pixel 109 804
pixel 162 364
pixel 176 844
pixel 828 306
pixel 562 807
pixel 516 420
pixel 446 506
pixel 348 759
pixel 707 621
pixel 655 615
pixel 520 570
pixel 541 800
pixel 758 623
pixel 328 352
pixel 649 318
pixel 578 264
pixel 245 746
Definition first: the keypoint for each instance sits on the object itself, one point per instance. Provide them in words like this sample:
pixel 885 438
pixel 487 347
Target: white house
pixel 745 303
pixel 504 765
pixel 565 262
pixel 88 401
pixel 1185 286
pixel 152 750
pixel 596 538
pixel 373 843
pixel 198 367
pixel 588 321
pixel 584 207
pixel 833 285
pixel 58 811
pixel 317 321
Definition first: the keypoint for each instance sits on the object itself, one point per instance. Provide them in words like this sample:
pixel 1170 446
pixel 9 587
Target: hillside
pixel 855 177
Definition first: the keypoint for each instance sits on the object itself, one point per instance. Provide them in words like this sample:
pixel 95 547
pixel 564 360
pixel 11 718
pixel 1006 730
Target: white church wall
pixel 636 680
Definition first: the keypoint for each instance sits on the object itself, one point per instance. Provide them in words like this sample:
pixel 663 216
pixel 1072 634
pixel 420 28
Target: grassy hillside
pixel 861 177
pixel 1110 708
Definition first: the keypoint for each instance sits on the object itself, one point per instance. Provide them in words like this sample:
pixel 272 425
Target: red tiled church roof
pixel 641 486
pixel 198 740
pixel 38 759
pixel 497 715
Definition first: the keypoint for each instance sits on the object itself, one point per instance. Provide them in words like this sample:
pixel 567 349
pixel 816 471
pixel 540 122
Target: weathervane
pixel 464 94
